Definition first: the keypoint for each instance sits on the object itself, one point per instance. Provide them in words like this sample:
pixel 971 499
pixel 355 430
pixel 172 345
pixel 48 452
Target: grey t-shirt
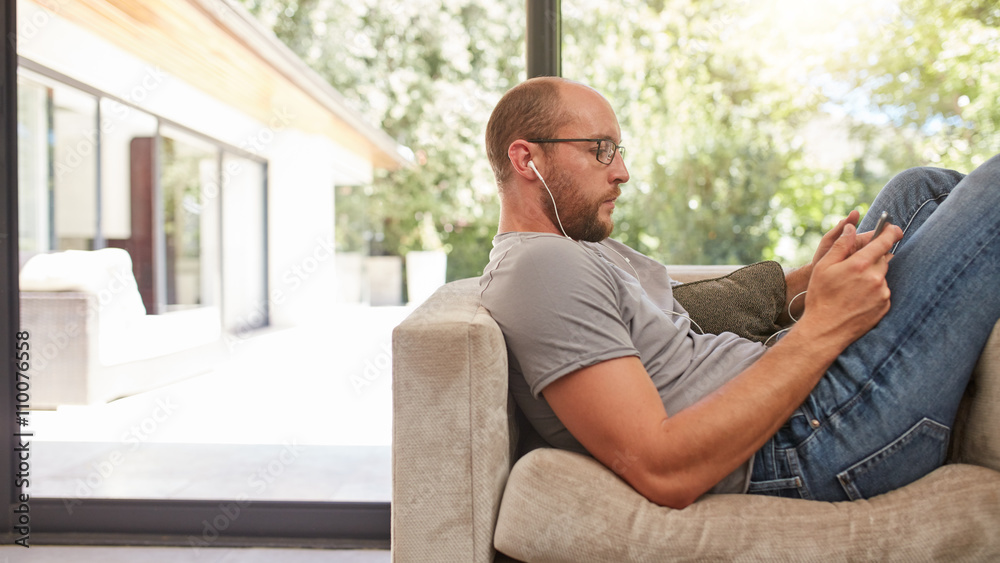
pixel 564 305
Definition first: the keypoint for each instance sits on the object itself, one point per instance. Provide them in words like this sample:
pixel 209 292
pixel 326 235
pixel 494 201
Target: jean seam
pixel 925 425
pixel 991 235
pixel 909 221
pixel 792 458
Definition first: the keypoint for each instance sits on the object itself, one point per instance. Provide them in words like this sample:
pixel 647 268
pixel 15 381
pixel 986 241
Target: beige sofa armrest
pixel 64 335
pixel 452 440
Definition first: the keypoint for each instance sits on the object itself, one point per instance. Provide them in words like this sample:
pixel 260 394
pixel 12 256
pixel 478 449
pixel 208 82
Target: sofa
pixel 92 340
pixel 473 483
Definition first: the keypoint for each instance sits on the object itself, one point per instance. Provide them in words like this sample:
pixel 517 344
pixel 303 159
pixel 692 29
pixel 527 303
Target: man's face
pixel 585 189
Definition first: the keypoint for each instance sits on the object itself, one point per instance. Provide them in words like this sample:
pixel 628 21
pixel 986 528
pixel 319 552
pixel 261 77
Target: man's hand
pixel 847 292
pixel 798 280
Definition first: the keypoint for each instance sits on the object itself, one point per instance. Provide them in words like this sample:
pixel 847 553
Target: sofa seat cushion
pixel 105 273
pixel 562 506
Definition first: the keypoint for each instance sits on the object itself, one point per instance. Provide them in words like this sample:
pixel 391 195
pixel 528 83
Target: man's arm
pixel 614 409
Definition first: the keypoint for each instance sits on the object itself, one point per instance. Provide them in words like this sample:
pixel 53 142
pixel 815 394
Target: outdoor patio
pixel 295 414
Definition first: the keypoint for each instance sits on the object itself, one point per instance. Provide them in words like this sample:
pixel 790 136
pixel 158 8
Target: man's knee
pixel 928 181
pixel 933 176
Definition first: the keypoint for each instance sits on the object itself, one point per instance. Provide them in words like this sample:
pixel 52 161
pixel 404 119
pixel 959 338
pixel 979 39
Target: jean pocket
pixel 920 450
pixel 789 488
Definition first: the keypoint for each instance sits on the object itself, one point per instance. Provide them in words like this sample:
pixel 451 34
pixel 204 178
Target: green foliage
pixel 428 73
pixel 751 126
pixel 933 71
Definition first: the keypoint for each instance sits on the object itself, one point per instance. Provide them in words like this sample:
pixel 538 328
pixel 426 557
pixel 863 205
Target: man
pixel 856 399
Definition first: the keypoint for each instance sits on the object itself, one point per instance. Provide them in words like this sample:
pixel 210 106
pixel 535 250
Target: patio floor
pixel 295 414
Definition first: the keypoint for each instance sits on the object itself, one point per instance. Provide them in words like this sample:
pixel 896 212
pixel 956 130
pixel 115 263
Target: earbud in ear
pixel 531 165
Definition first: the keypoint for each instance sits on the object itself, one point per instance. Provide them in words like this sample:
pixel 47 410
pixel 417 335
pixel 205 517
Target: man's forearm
pixel 705 442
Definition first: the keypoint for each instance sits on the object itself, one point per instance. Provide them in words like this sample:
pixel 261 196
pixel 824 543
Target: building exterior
pixel 188 135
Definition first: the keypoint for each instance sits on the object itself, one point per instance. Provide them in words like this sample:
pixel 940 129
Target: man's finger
pixel 844 245
pixel 881 245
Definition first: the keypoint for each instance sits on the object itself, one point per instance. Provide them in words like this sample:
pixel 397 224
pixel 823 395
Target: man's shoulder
pixel 539 250
pixel 533 242
pixel 523 260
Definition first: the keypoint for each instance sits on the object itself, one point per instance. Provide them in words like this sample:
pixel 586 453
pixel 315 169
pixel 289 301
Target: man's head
pixel 554 139
pixel 530 110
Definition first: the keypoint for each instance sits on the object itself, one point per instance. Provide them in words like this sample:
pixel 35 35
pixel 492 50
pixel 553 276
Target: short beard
pixel 580 219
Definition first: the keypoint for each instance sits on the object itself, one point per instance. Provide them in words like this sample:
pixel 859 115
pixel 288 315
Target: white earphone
pixel 531 165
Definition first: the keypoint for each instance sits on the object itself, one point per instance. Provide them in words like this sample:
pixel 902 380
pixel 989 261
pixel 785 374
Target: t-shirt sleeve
pixel 559 307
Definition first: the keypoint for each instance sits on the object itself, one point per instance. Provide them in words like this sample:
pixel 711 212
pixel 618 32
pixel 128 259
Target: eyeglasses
pixel 605 149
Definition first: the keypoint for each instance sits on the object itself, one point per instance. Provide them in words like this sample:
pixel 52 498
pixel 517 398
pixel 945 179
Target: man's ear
pixel 519 154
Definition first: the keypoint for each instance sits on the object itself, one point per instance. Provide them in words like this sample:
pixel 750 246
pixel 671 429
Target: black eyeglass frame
pixel 600 151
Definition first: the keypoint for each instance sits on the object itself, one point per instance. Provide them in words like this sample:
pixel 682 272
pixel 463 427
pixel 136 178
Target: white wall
pixel 303 168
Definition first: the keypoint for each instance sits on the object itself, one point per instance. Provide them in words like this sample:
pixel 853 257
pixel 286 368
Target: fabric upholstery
pixel 451 436
pixel 978 439
pixel 747 301
pixel 454 432
pixel 561 506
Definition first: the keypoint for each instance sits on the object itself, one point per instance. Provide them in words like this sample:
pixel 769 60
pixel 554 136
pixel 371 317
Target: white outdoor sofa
pixel 91 339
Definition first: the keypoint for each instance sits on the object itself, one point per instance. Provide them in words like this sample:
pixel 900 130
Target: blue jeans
pixel 881 417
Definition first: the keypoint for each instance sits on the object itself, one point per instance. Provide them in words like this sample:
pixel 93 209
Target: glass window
pixel 33 165
pixel 57 190
pixel 120 125
pixel 75 139
pixel 244 223
pixel 190 220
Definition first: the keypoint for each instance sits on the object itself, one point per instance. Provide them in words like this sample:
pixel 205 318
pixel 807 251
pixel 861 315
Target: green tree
pixel 933 73
pixel 428 73
pixel 751 125
pixel 713 126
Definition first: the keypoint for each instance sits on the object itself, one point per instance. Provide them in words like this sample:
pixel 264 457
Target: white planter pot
pixel 385 280
pixel 425 272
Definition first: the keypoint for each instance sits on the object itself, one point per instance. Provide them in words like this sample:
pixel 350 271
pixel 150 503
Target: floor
pixel 296 414
pixel 73 554
pixel 293 414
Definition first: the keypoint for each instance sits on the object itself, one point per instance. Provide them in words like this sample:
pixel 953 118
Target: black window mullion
pixel 9 313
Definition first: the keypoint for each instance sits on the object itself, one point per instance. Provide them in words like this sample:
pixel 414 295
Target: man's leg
pixel 881 417
pixel 910 198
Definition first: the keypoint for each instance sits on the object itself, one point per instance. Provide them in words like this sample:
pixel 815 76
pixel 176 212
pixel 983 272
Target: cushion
pixel 562 506
pixel 747 301
pixel 975 438
pixel 105 273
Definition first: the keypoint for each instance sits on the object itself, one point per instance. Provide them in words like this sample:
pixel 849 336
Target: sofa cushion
pixel 746 302
pixel 562 506
pixel 105 273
